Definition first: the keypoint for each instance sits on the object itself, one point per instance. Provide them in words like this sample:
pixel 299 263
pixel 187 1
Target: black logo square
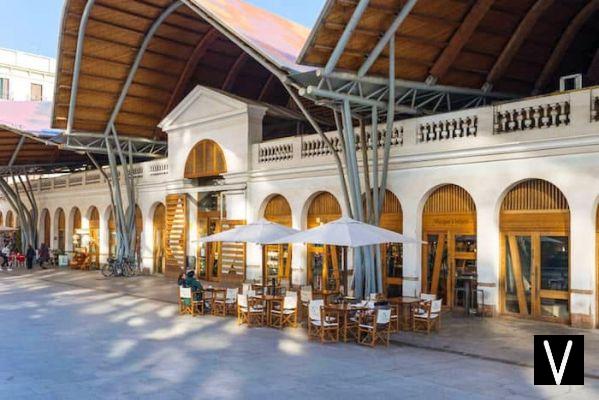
pixel 559 359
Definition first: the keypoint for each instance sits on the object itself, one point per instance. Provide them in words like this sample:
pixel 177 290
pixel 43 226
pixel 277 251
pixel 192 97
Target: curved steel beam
pixel 513 45
pixel 564 43
pixel 77 64
pixel 142 50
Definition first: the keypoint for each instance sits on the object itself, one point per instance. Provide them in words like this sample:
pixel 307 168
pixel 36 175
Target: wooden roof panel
pixel 168 69
pixel 438 21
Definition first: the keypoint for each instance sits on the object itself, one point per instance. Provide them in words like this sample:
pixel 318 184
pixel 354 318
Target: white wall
pixel 23 69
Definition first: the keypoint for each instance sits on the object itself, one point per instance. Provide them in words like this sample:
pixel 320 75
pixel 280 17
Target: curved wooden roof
pixel 515 46
pixel 27 121
pixel 187 50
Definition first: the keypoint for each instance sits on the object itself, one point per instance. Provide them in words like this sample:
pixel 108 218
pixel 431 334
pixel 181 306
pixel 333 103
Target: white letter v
pixel 558 375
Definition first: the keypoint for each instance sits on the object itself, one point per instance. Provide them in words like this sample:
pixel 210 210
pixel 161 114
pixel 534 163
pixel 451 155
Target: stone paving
pixel 64 341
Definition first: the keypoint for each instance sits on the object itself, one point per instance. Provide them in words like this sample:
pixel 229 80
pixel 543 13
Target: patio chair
pixel 225 305
pixel 187 302
pixel 247 312
pixel 305 298
pixel 286 315
pixel 428 315
pixel 428 296
pixel 374 328
pixel 322 324
pixel 246 287
pixel 395 317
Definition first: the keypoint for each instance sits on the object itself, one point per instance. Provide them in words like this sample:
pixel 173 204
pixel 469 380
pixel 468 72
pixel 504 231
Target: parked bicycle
pixel 125 267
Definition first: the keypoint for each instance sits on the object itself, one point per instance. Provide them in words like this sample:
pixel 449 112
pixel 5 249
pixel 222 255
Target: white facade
pixel 22 70
pixel 487 157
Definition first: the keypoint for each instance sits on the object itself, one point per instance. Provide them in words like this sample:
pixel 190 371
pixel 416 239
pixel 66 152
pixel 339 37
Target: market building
pixel 493 142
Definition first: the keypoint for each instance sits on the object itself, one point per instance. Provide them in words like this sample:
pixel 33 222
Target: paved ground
pixel 61 341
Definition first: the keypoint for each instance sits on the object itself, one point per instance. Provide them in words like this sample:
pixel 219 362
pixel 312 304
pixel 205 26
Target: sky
pixel 32 25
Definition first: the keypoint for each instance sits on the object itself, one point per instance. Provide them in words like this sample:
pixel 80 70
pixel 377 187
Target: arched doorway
pixel 94 235
pixel 535 241
pixel 60 229
pixel 324 262
pixel 10 219
pixel 1 219
pixel 392 253
pixel 46 225
pixel 76 232
pixel 277 262
pixel 159 226
pixel 449 257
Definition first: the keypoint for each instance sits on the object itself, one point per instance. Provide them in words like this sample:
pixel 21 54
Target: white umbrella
pixel 259 232
pixel 347 232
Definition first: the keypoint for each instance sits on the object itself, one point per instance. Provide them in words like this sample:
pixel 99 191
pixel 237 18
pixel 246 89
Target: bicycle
pixel 124 267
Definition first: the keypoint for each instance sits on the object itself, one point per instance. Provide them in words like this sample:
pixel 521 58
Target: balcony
pixel 544 122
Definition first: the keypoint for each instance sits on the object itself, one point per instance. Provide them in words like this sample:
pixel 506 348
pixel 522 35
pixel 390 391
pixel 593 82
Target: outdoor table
pixel 344 311
pixel 407 305
pixel 214 291
pixel 269 301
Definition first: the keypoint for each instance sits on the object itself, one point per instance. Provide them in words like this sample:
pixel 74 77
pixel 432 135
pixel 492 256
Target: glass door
pixel 518 274
pixel 537 280
pixel 437 267
pixel 277 263
pixel 324 268
pixel 554 278
pixel 393 267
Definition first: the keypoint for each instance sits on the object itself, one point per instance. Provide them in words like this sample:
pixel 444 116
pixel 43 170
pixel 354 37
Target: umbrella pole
pixel 345 273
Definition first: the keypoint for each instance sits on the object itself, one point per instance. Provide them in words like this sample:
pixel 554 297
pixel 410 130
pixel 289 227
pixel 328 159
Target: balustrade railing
pixel 277 152
pixel 595 109
pixel 452 128
pixel 532 117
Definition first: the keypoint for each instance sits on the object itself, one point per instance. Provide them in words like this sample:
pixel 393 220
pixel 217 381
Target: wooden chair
pixel 224 305
pixel 187 302
pixel 395 317
pixel 374 327
pixel 247 312
pixel 322 324
pixel 428 315
pixel 305 299
pixel 286 315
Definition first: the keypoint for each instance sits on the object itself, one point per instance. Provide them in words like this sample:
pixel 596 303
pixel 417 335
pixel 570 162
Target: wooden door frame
pixel 536 292
pixel 386 279
pixel 208 216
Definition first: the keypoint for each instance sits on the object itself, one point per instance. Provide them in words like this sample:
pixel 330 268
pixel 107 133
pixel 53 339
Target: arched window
pixel 205 160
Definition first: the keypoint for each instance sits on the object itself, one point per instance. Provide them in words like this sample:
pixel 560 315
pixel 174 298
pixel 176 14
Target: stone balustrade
pixel 532 117
pixel 555 116
pixel 277 152
pixel 447 129
pixel 141 171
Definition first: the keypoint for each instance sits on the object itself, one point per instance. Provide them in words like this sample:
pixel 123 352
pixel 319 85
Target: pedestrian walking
pixel 30 256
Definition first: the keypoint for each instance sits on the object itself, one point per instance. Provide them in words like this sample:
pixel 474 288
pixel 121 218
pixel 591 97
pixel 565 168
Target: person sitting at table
pixel 181 279
pixel 194 284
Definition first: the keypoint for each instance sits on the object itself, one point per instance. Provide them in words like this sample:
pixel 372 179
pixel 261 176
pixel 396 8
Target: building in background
pixel 26 77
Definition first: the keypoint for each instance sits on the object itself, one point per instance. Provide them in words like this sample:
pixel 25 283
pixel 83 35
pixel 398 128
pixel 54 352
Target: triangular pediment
pixel 200 106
